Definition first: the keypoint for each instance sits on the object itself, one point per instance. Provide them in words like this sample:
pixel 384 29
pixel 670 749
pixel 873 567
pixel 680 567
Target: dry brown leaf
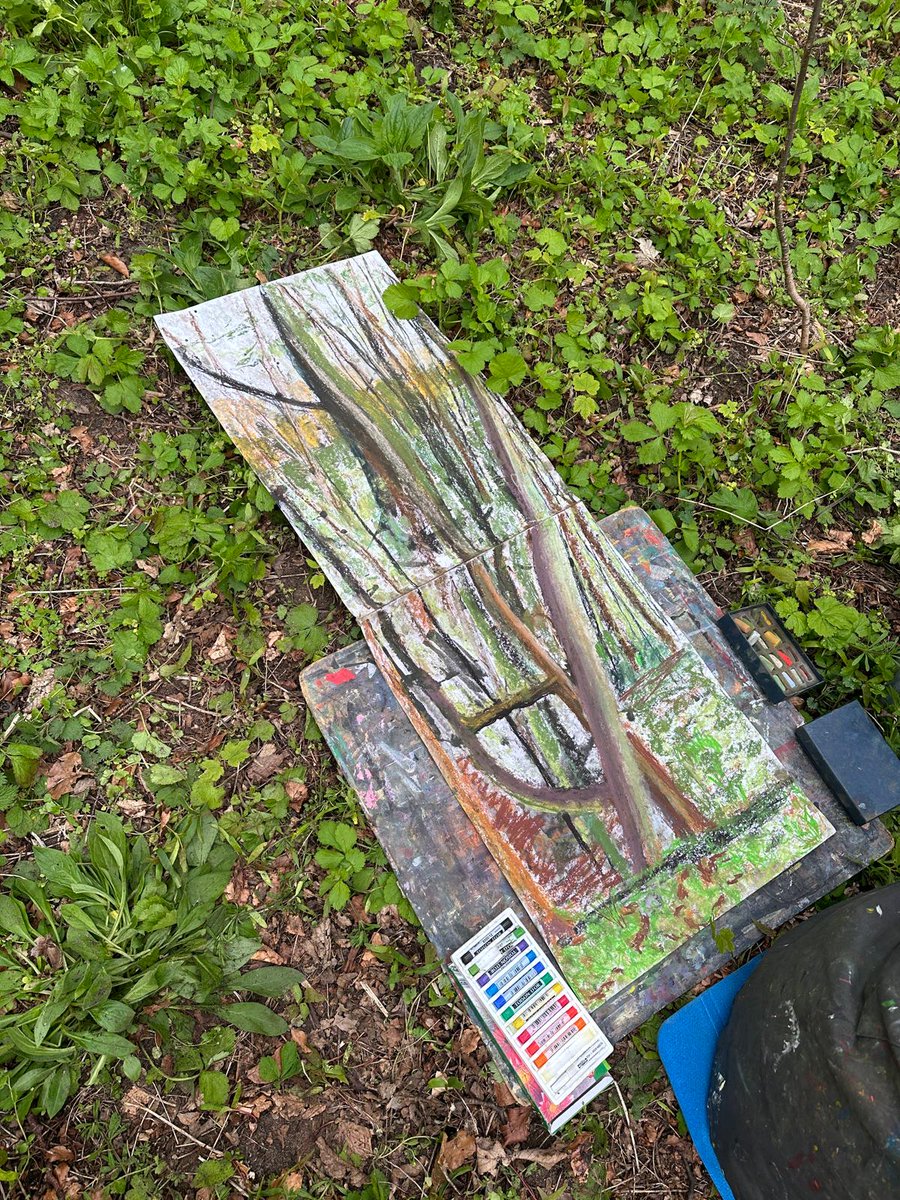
pixel 469 1040
pixel 267 954
pixel 297 793
pixel 518 1125
pixel 503 1095
pixel 219 651
pixel 490 1157
pixel 113 260
pixel 581 1154
pixel 873 533
pixel 63 773
pixel 298 1036
pixel 60 1154
pixel 12 682
pixel 456 1151
pixel 290 1181
pixel 46 948
pixel 646 254
pixel 839 541
pixel 544 1158
pixel 135 1100
pixel 335 1168
pixel 355 1138
pixel 70 566
pixel 82 437
pixel 266 763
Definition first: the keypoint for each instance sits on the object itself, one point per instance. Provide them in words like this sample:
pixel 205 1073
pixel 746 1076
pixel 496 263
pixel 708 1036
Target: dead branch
pixel 800 302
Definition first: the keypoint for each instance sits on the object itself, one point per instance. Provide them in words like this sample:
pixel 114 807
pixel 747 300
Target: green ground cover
pixel 580 195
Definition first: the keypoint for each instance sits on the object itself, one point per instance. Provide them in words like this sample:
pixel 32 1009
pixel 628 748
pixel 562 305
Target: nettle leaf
pixel 886 378
pixel 270 981
pixel 538 296
pixel 146 743
pixel 741 502
pixel 652 452
pixel 235 753
pixel 663 416
pixel 214 1090
pixel 584 406
pixel 636 431
pixel 253 1018
pixel 401 300
pixel 337 891
pixel 508 369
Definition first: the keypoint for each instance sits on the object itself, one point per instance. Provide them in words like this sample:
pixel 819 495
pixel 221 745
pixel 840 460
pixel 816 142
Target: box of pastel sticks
pixel 533 1016
pixel 767 650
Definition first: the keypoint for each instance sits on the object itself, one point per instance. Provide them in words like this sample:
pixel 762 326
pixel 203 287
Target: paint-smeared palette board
pixel 453 882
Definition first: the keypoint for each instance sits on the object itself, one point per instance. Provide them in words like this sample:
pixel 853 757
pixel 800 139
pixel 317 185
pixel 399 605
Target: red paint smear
pixel 344 675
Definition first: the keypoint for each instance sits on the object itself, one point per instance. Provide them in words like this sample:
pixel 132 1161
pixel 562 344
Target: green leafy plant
pixel 95 934
pixel 344 863
pixel 407 157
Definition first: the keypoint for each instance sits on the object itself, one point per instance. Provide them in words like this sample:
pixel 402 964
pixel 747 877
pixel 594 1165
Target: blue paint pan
pixel 687 1046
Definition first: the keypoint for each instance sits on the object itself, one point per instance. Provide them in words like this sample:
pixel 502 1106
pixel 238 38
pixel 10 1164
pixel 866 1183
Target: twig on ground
pixel 800 302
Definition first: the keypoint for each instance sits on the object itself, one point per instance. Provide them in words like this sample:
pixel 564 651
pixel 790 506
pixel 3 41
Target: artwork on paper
pixel 625 797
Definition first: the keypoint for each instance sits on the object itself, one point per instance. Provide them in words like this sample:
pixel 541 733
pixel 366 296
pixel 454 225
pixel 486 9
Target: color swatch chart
pixel 518 987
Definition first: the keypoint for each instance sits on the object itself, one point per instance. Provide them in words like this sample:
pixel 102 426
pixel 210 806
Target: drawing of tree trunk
pixel 394 465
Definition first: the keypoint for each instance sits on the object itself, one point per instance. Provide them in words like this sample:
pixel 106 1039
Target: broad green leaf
pixel 63 873
pixel 14 920
pixel 113 1016
pixel 110 1044
pixel 270 981
pixel 47 1017
pixel 268 1069
pixel 205 886
pixel 663 520
pixel 131 1067
pixel 56 1090
pixel 253 1018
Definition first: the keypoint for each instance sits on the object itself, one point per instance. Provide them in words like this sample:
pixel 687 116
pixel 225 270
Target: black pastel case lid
pixel 855 761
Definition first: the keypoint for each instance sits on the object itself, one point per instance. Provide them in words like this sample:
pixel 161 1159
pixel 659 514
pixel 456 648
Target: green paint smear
pixel 607 959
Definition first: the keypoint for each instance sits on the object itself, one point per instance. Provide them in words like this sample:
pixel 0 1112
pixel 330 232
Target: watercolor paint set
pixel 549 1037
pixel 765 647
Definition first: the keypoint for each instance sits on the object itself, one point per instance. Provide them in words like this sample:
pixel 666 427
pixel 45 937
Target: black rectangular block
pixel 854 760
